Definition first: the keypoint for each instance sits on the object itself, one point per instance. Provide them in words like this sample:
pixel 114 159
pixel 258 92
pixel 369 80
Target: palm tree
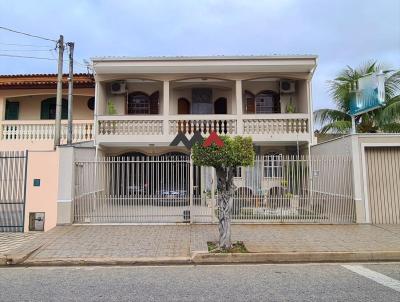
pixel 385 119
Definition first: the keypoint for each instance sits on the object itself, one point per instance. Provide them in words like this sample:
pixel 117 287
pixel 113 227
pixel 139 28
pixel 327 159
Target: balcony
pixel 43 130
pixel 162 129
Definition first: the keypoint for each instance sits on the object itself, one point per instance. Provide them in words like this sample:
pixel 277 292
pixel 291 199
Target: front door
pixel 183 106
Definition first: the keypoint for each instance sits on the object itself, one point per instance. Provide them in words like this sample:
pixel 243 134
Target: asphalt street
pixel 303 282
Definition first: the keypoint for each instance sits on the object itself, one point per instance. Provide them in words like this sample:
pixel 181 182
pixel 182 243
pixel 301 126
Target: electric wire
pixel 25 45
pixel 26 34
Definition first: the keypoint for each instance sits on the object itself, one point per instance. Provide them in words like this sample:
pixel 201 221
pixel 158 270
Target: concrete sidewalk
pixel 167 244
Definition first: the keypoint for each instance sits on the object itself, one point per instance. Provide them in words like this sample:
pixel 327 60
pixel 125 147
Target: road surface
pixel 291 282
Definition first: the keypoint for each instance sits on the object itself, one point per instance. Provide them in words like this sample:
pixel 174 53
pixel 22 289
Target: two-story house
pixel 142 103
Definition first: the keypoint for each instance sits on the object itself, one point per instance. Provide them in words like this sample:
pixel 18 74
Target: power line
pixel 27 57
pixel 26 34
pixel 24 45
pixel 83 66
pixel 22 50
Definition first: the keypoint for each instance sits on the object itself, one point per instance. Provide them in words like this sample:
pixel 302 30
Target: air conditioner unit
pixel 287 86
pixel 118 87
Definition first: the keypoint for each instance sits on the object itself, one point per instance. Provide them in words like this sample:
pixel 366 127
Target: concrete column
pixel 2 108
pixel 98 109
pixel 166 107
pixel 239 106
pixel 357 181
pixel 310 111
pixel 66 182
pixel 2 112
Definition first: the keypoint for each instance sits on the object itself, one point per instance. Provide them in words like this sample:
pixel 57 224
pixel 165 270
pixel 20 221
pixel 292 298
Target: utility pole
pixel 70 90
pixel 57 132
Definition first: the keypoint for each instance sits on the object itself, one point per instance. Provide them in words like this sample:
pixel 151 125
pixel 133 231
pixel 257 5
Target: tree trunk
pixel 225 188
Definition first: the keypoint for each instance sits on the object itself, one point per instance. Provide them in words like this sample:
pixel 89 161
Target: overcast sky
pixel 340 32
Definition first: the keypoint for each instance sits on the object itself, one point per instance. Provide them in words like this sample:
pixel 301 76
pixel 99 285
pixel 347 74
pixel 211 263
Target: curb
pixel 18 258
pixel 204 258
pixel 295 257
pixel 108 261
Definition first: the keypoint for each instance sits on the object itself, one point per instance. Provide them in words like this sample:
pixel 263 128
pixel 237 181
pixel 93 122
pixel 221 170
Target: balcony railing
pixel 275 124
pixel 130 125
pixel 188 124
pixel 283 126
pixel 42 130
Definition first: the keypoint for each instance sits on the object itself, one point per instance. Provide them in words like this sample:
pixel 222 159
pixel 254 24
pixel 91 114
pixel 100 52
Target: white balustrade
pixel 255 124
pixel 44 130
pixel 130 127
pixel 275 125
pixel 189 125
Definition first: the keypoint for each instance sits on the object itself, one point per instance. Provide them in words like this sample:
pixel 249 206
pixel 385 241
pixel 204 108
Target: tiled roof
pixel 43 81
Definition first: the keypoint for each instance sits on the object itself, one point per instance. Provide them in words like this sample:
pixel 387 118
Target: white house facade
pixel 142 103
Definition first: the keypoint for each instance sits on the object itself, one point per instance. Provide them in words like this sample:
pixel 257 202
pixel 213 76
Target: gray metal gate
pixel 13 167
pixel 162 189
pixel 143 189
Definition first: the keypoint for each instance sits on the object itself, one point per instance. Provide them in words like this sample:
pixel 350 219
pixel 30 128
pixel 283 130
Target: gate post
pixel 191 192
pixel 66 185
pixel 25 184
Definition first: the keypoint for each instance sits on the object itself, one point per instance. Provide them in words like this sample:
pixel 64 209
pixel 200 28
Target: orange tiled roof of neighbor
pixel 42 81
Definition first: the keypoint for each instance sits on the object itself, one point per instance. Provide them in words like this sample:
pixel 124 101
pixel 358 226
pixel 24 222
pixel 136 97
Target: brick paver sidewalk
pixel 309 238
pixel 118 241
pixel 12 241
pixel 178 241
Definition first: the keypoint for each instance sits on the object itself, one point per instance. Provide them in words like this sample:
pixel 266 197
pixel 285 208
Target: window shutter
pixel 250 102
pixel 64 110
pixel 154 100
pixel 12 110
pixel 45 110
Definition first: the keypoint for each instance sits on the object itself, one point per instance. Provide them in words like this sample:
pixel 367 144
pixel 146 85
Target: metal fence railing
pixel 278 188
pixel 13 166
pixel 295 189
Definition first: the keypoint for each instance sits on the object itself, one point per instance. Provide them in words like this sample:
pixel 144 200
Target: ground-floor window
pixel 273 165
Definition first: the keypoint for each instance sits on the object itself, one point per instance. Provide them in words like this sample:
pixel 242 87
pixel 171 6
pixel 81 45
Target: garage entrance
pixel 135 188
pixel 383 184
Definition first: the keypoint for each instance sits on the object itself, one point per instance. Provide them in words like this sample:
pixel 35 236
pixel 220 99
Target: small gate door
pixel 13 166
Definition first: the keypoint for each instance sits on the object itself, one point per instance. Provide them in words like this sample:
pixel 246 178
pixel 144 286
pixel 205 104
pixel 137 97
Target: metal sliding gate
pixel 13 167
pixel 163 189
pixel 138 189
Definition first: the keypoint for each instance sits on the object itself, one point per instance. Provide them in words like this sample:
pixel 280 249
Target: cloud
pixel 340 32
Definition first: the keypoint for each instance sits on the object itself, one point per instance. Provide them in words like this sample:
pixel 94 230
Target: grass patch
pixel 237 247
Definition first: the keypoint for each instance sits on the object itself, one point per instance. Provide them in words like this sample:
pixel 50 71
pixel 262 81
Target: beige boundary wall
pixel 42 165
pixel 66 175
pixel 355 145
pixel 55 171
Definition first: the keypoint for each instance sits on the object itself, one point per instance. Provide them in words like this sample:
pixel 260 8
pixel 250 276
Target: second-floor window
pixel 266 101
pixel 48 109
pixel 12 110
pixel 142 103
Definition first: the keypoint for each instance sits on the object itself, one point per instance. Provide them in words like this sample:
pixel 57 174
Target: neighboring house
pixel 29 182
pixel 375 166
pixel 27 110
